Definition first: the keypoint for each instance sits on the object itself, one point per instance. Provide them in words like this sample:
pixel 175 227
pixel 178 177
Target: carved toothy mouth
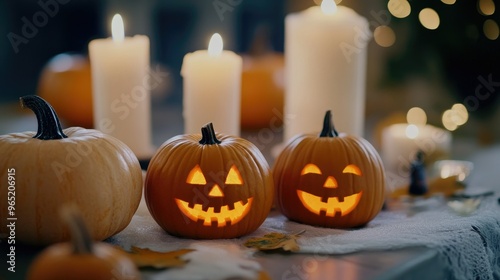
pixel 331 206
pixel 222 218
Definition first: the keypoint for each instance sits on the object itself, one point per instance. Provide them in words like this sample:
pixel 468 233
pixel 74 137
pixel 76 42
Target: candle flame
pixel 412 131
pixel 328 7
pixel 117 30
pixel 216 45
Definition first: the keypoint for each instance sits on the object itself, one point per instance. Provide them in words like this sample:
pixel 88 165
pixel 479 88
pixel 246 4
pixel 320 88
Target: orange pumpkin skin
pixel 58 262
pixel 337 158
pixel 65 82
pixel 167 187
pixel 262 95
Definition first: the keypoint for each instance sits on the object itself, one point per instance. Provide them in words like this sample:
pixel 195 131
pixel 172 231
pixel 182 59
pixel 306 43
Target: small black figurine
pixel 418 186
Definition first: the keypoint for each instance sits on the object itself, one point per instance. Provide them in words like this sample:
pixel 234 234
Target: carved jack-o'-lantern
pixel 217 187
pixel 333 180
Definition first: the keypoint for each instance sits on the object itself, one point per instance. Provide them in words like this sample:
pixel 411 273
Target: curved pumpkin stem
pixel 328 128
pixel 80 237
pixel 208 136
pixel 49 127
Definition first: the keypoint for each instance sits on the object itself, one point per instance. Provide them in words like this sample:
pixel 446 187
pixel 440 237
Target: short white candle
pixel 325 66
pixel 400 142
pixel 212 89
pixel 121 96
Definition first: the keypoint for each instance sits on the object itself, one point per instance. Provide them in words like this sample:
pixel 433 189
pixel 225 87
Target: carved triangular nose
pixel 216 191
pixel 330 182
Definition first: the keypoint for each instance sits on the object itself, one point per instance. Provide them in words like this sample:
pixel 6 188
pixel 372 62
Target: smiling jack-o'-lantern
pixel 217 187
pixel 334 180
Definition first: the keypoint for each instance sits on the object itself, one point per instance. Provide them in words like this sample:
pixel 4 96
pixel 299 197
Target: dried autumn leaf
pixel 144 257
pixel 274 241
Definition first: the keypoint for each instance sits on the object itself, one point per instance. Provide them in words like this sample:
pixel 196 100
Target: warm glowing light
pixel 209 217
pixel 449 2
pixel 310 168
pixel 412 131
pixel 416 116
pixel 315 204
pixel 318 2
pixel 117 29
pixel 216 45
pixel 460 114
pixel 490 29
pixel 353 169
pixel 330 182
pixel 399 8
pixel 196 176
pixel 448 121
pixel 234 176
pixel 429 18
pixel 216 191
pixel 384 36
pixel 486 7
pixel 328 7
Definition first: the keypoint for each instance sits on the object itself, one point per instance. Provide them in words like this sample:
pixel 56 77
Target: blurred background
pixel 429 54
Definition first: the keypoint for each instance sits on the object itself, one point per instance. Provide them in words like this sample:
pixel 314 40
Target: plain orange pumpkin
pixel 81 259
pixel 262 94
pixel 65 82
pixel 331 180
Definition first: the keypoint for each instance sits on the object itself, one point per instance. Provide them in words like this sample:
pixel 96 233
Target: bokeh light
pixel 448 121
pixel 412 131
pixel 429 18
pixel 486 7
pixel 460 114
pixel 399 8
pixel 449 2
pixel 384 36
pixel 416 116
pixel 490 29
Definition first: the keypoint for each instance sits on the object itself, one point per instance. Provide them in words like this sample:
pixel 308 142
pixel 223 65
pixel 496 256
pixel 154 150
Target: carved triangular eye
pixel 353 169
pixel 234 177
pixel 196 176
pixel 310 168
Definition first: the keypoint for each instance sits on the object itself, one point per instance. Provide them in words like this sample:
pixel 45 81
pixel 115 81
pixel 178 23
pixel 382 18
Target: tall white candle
pixel 121 96
pixel 325 66
pixel 212 89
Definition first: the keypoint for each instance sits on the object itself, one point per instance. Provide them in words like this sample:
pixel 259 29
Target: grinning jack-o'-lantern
pixel 334 180
pixel 217 187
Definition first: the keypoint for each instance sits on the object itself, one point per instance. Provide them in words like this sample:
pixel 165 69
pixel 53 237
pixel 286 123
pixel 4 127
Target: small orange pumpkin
pixel 217 187
pixel 81 259
pixel 334 180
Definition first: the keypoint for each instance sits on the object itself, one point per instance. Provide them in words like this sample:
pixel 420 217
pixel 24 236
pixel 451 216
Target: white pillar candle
pixel 212 89
pixel 400 142
pixel 121 97
pixel 325 66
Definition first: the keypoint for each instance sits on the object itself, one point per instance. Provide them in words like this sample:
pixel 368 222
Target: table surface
pixel 407 263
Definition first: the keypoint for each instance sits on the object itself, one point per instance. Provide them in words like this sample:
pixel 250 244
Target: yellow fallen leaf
pixel 144 257
pixel 274 241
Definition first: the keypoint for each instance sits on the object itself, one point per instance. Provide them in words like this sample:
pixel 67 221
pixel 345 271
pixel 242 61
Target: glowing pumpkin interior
pixel 228 214
pixel 329 205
